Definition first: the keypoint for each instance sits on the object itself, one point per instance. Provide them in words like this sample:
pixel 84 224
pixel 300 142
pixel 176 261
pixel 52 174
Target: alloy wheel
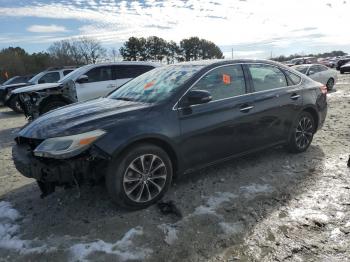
pixel 144 178
pixel 304 132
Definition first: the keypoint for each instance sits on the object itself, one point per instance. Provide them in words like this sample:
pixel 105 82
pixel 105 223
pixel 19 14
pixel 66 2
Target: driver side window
pixel 223 82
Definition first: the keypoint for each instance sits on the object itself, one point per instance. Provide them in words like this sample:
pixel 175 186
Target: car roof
pixel 218 62
pixel 126 63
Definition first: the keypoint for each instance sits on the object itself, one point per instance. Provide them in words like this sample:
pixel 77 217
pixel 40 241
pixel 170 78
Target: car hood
pixel 81 117
pixel 18 85
pixel 346 65
pixel 34 88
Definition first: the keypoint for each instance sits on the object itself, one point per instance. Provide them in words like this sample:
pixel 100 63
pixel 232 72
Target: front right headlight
pixel 67 146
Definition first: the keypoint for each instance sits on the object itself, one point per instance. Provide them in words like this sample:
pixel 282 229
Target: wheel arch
pixel 158 141
pixel 51 98
pixel 314 114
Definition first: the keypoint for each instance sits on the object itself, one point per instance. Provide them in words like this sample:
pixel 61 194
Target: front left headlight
pixel 67 146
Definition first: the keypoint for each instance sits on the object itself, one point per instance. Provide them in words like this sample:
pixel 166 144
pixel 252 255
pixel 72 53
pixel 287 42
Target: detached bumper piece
pixel 50 173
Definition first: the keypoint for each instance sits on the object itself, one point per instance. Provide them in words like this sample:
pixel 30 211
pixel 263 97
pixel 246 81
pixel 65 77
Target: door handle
pixel 111 86
pixel 294 96
pixel 246 108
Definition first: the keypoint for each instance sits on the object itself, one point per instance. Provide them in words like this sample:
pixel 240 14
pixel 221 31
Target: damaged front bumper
pixel 50 173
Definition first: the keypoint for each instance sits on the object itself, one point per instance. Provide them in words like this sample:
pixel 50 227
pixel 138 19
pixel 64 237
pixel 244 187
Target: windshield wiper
pixel 124 98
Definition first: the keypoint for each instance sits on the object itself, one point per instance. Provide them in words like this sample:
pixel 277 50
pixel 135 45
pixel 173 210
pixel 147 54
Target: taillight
pixel 323 89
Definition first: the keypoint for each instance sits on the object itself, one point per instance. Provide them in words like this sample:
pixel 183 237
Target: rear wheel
pixel 51 105
pixel 302 133
pixel 139 177
pixel 330 84
pixel 15 105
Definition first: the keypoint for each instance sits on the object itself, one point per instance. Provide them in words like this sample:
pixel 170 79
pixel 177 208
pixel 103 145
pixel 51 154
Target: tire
pixel 330 84
pixel 131 188
pixel 51 105
pixel 341 72
pixel 302 133
pixel 15 105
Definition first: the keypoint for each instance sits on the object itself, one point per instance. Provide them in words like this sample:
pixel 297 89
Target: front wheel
pixel 51 105
pixel 15 105
pixel 302 133
pixel 139 177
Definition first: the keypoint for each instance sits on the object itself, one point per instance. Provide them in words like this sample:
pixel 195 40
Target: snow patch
pixel 9 231
pixel 123 248
pixel 300 213
pixel 254 189
pixel 231 228
pixel 214 203
pixel 170 233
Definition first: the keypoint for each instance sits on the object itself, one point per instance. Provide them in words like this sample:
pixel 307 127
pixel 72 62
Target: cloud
pixel 256 23
pixel 46 29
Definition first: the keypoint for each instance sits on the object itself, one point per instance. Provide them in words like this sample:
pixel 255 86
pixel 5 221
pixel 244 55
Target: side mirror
pixel 195 97
pixel 41 81
pixel 310 73
pixel 82 79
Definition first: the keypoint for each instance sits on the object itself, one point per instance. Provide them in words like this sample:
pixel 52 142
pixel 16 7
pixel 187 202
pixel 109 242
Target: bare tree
pixel 90 49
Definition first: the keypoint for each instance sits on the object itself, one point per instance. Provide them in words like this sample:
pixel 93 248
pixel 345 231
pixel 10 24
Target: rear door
pixel 275 103
pixel 222 127
pixel 99 83
pixel 315 73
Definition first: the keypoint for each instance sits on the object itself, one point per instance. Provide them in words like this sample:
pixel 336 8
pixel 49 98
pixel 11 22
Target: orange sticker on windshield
pixel 226 79
pixel 148 85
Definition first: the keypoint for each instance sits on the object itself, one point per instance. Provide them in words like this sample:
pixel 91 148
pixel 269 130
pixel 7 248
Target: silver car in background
pixel 319 73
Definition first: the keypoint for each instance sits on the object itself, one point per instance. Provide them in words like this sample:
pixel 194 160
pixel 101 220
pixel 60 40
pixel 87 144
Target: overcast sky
pixel 253 28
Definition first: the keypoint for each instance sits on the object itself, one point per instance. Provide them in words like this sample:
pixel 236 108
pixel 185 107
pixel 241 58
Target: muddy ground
pixel 270 206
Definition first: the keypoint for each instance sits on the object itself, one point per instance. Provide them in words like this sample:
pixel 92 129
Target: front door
pixel 100 83
pixel 220 128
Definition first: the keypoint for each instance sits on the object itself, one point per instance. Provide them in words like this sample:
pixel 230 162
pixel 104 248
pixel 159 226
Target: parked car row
pixel 50 75
pixel 169 121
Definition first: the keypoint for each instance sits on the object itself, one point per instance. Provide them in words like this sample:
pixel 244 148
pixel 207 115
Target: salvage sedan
pixel 171 120
pixel 319 73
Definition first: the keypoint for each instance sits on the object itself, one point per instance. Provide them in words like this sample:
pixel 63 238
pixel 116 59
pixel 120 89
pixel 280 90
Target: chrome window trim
pixel 238 63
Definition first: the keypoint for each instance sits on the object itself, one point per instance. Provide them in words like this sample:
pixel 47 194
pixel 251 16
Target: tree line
pixel 80 51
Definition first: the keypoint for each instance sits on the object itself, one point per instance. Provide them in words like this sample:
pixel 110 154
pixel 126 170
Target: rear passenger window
pixel 266 77
pixel 223 82
pixel 98 74
pixel 129 71
pixel 295 79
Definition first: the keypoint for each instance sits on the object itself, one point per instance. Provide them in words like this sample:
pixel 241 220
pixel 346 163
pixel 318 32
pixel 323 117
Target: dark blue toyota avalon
pixel 171 120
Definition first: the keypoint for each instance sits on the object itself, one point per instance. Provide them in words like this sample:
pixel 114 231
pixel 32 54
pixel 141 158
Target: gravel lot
pixel 271 206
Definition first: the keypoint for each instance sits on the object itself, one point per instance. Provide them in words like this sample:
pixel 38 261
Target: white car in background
pixel 319 73
pixel 85 83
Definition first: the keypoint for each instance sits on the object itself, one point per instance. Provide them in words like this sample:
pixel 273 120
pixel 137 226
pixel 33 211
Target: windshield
pixel 74 74
pixel 35 78
pixel 156 85
pixel 301 69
